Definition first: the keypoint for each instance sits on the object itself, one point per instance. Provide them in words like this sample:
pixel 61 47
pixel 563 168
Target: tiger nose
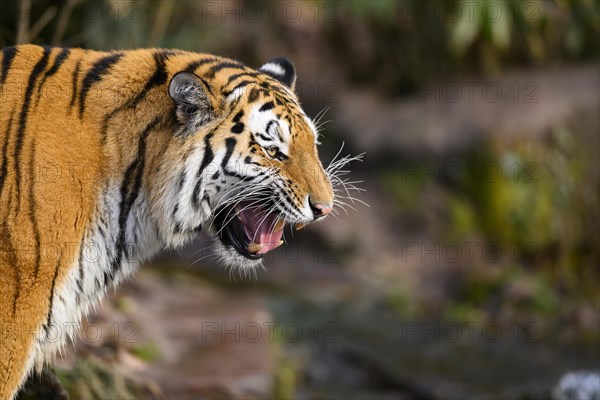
pixel 319 209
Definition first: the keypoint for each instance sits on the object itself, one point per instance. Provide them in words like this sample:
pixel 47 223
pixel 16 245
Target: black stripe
pixel 265 174
pixel 238 116
pixel 267 106
pixel 105 122
pixel 80 277
pixel 228 64
pixel 198 63
pixel 74 84
pixel 180 182
pixel 207 158
pixel 235 76
pixel 37 70
pixel 130 189
pixel 238 86
pixel 182 176
pixel 5 238
pixel 177 228
pixel 195 193
pixel 49 315
pixel 229 145
pixel 206 199
pixel 274 87
pixel 4 168
pixel 8 55
pixel 208 155
pixel 32 209
pixel 58 62
pixel 206 85
pixel 269 124
pixel 278 131
pixel 265 138
pixel 101 229
pixel 245 178
pixel 100 68
pixel 253 95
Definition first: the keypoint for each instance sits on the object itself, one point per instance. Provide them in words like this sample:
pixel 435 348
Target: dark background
pixel 473 271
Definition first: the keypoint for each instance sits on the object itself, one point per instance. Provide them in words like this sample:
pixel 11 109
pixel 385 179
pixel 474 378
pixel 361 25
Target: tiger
pixel 109 157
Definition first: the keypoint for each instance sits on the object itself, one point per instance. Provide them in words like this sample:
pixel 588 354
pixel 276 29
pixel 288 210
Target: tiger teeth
pixel 254 247
pixel 279 225
pixel 300 225
pixel 278 244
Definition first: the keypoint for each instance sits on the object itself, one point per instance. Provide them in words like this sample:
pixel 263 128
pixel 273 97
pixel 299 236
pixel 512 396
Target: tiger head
pixel 242 165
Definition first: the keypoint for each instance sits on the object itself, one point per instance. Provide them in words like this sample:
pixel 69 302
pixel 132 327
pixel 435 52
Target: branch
pixel 23 22
pixel 63 21
pixel 41 23
pixel 163 16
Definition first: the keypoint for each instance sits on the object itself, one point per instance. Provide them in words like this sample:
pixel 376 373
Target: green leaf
pixel 466 29
pixel 499 17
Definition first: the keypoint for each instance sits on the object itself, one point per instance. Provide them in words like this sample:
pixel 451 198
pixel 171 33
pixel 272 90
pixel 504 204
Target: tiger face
pixel 249 165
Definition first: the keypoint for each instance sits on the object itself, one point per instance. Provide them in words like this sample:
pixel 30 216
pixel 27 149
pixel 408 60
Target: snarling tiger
pixel 108 157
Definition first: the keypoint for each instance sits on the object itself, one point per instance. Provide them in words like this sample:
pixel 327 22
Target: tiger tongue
pixel 261 229
pixel 270 241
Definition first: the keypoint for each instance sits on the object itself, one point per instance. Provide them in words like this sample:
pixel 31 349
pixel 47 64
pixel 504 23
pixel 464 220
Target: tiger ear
pixel 193 107
pixel 281 69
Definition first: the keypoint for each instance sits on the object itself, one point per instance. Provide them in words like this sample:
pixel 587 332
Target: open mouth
pixel 251 230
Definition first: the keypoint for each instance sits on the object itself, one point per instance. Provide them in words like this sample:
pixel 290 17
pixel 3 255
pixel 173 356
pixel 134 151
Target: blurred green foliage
pixel 407 42
pixel 284 379
pixel 533 199
pixel 94 379
pixel 541 206
pixel 463 217
pixel 147 351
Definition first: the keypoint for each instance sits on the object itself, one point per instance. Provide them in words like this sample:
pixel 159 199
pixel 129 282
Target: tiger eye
pixel 272 151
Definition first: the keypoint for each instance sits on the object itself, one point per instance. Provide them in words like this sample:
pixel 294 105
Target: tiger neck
pixel 119 238
pixel 122 233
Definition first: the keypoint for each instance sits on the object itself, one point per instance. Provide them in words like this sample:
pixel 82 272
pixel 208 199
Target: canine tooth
pixel 300 225
pixel 279 225
pixel 254 247
pixel 278 244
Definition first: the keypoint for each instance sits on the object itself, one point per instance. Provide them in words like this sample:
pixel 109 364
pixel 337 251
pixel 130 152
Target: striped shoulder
pixel 8 55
